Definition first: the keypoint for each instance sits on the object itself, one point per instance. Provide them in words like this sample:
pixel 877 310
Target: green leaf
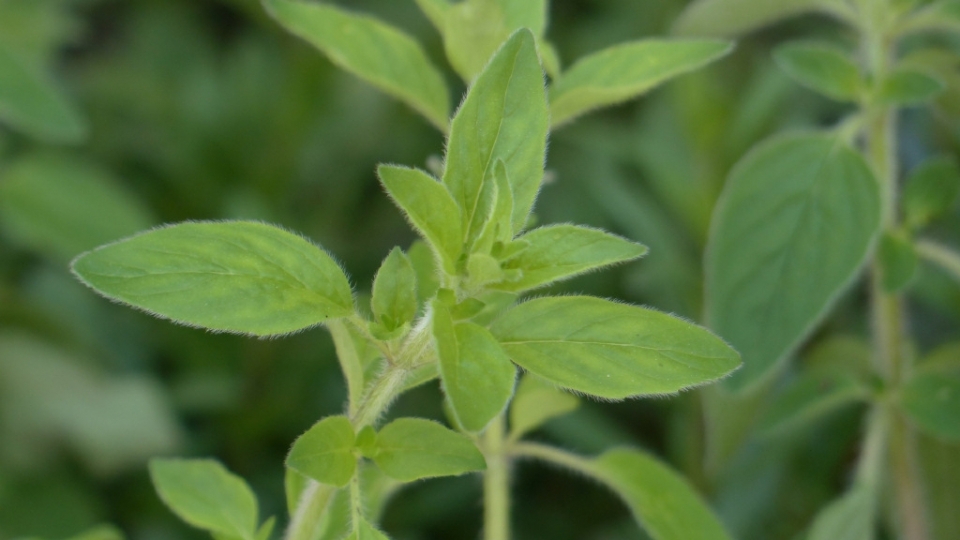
pixel 931 397
pixel 366 531
pixel 504 117
pixel 436 11
pixel 294 484
pixel 477 375
pixel 425 267
pixel 850 517
pixel 661 500
pixel 558 252
pixel 206 495
pixel 810 397
pixel 372 50
pixel 930 191
pixel 266 529
pixel 414 448
pixel 498 227
pixel 822 68
pixel 942 15
pixel 62 206
pixel 898 261
pixel 32 104
pixel 103 532
pixel 790 233
pixel 235 276
pixel 430 209
pixel 908 87
pixel 938 462
pixel 611 350
pixel 625 71
pixel 356 355
pixel 731 18
pixel 325 452
pixel 394 301
pixel 535 402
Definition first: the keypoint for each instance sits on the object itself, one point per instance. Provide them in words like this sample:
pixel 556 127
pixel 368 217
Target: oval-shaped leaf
pixel 394 300
pixel 206 495
pixel 625 71
pixel 558 252
pixel 535 402
pixel 822 68
pixel 791 231
pixel 34 105
pixel 908 87
pixel 504 117
pixel 372 50
pixel 412 448
pixel 325 452
pixel 611 350
pixel 931 398
pixel 238 276
pixel 661 500
pixel 730 18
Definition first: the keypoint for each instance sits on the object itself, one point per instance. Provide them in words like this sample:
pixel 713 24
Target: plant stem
pixel 913 519
pixel 496 483
pixel 554 455
pixel 941 255
pixel 306 522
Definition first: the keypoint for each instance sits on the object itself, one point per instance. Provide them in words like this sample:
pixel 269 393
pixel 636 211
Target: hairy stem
pixel 306 522
pixel 496 483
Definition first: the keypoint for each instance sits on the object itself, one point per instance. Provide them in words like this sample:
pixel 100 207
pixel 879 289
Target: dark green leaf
pixel 898 261
pixel 930 191
pixel 931 397
pixel 850 517
pixel 822 68
pixel 31 103
pixel 325 452
pixel 535 402
pixel 908 87
pixel 730 18
pixel 239 276
pixel 414 448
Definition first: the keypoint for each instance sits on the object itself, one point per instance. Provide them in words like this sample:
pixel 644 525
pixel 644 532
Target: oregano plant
pixel 507 361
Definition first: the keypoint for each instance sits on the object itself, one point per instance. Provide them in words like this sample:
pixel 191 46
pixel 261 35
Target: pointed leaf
pixel 730 18
pixel 790 233
pixel 34 105
pixel 930 191
pixel 498 226
pixel 394 301
pixel 536 402
pixel 325 452
pixel 558 252
pixel 240 276
pixel 931 397
pixel 372 50
pixel 429 208
pixel 266 529
pixel 850 517
pixel 820 67
pixel 504 117
pixel 414 448
pixel 206 495
pixel 626 71
pixel 611 350
pixel 908 87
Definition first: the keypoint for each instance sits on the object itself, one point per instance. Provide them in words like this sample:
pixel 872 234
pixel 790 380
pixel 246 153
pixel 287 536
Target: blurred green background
pixel 205 109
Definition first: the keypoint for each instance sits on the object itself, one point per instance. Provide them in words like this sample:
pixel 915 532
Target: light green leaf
pixel 930 191
pixel 810 397
pixel 611 350
pixel 906 87
pixel 366 531
pixel 429 208
pixel 942 15
pixel 425 267
pixel 372 50
pixel 898 261
pixel 535 402
pixel 62 206
pixel 414 448
pixel 32 104
pixel 931 397
pixel 504 117
pixel 477 375
pixel 731 18
pixel 325 452
pixel 103 532
pixel 266 529
pixel 558 252
pixel 850 517
pixel 626 71
pixel 206 495
pixel 661 500
pixel 822 68
pixel 394 301
pixel 498 226
pixel 790 233
pixel 240 276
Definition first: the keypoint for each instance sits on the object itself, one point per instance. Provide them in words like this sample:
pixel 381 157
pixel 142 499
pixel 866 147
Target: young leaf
pixel 558 252
pixel 34 105
pixel 661 500
pixel 822 68
pixel 626 71
pixel 811 397
pixel 325 452
pixel 898 261
pixel 498 226
pixel 730 18
pixel 930 191
pixel 504 117
pixel 366 531
pixel 206 495
pixel 370 49
pixel 931 397
pixel 430 209
pixel 414 448
pixel 239 276
pixel 62 206
pixel 908 87
pixel 611 350
pixel 394 299
pixel 477 376
pixel 850 517
pixel 790 232
pixel 535 402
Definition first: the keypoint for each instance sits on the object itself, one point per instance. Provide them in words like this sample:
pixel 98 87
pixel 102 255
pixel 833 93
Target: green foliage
pixel 728 18
pixel 908 87
pixel 325 452
pixel 822 68
pixel 35 105
pixel 848 518
pixel 536 401
pixel 930 191
pixel 394 301
pixel 366 532
pixel 931 398
pixel 898 261
pixel 408 449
